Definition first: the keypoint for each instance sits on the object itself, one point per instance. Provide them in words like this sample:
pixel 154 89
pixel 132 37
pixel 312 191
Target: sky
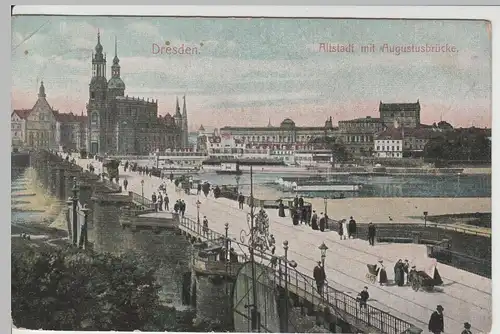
pixel 249 71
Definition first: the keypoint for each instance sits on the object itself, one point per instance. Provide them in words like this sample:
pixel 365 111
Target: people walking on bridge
pixel 351 228
pixel 399 274
pixel 371 233
pixel 301 202
pixel 177 206
pixel 314 220
pixel 160 201
pixel 183 207
pixel 345 226
pixel 467 327
pixel 341 229
pixel 205 225
pixel 296 201
pixel 320 277
pixel 155 203
pixel 171 177
pixel 166 200
pixel 381 273
pixel 281 209
pixel 241 200
pixel 322 223
pixel 125 184
pixel 363 297
pixel 406 270
pixel 198 189
pixel 436 322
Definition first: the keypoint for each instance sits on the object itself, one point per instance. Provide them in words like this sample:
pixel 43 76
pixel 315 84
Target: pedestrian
pixel 371 233
pixel 314 221
pixel 295 216
pixel 176 206
pixel 183 207
pixel 322 222
pixel 205 225
pixel 320 277
pixel 241 200
pixel 198 190
pixel 296 201
pixel 171 177
pixel 436 322
pixel 363 297
pixel 381 273
pixel 406 269
pixel 341 229
pixel 352 228
pixel 160 201
pixel 155 203
pixel 125 184
pixel 345 226
pixel 467 327
pixel 399 274
pixel 301 202
pixel 281 209
pixel 166 200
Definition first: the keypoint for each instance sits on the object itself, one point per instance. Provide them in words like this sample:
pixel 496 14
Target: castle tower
pixel 185 131
pixel 97 106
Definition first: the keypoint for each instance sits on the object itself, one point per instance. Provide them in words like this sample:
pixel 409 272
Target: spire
pixel 269 123
pixel 116 60
pixel 98 47
pixel 41 91
pixel 177 109
pixel 184 110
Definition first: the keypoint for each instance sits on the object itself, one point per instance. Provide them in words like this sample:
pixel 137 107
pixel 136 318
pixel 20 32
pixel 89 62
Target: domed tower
pixel 97 105
pixel 116 86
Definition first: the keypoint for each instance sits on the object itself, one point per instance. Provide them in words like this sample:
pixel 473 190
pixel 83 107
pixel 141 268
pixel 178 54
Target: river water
pixel 472 185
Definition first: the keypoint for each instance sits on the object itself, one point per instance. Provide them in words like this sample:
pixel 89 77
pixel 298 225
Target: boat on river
pixel 229 169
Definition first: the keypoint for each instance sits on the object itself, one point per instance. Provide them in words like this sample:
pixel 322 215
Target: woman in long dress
pixel 381 273
pixel 344 225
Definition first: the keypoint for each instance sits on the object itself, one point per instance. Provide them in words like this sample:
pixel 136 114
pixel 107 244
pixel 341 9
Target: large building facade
pixel 42 127
pixel 404 114
pixel 119 124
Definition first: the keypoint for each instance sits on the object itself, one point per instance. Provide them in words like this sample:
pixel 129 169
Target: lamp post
pixel 285 247
pixel 83 236
pixel 325 202
pixel 323 248
pixel 198 203
pixel 142 187
pixel 226 226
pixel 425 218
pixel 75 217
pixel 69 203
pixel 237 177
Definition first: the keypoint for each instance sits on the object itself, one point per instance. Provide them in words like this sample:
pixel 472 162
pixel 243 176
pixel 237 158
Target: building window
pixel 95 118
pixel 378 148
pixel 397 148
pixel 92 95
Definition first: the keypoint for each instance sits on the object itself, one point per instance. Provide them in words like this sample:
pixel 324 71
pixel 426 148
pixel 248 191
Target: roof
pixel 70 118
pixel 22 113
pixel 398 106
pixel 367 119
pixel 391 133
pixel 201 128
pixel 287 122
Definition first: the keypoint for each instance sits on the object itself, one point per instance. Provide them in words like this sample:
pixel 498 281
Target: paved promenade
pixel 464 296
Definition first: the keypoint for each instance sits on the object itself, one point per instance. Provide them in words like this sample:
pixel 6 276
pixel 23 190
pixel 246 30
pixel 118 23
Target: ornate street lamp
pixel 226 226
pixel 69 203
pixel 198 203
pixel 425 218
pixel 75 217
pixel 83 235
pixel 323 248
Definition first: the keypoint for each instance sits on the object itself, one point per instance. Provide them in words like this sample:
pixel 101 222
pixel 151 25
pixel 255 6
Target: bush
pixel 67 289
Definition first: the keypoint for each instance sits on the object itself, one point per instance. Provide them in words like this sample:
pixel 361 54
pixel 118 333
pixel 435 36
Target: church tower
pixel 116 86
pixel 185 132
pixel 97 105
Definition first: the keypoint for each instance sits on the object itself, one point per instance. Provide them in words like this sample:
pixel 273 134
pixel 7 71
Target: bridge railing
pixel 306 286
pixel 141 200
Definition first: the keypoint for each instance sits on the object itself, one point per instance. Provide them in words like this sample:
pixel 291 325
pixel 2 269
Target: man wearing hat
pixel 319 276
pixel 363 297
pixel 466 328
pixel 436 322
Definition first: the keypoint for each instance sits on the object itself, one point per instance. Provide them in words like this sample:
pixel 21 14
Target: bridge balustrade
pixel 305 286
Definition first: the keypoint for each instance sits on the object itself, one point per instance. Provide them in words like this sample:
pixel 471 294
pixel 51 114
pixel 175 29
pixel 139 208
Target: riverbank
pixel 386 209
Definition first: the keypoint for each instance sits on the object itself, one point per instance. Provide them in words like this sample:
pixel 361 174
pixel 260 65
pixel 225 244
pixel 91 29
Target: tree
pixel 339 151
pixel 66 289
pixel 460 145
